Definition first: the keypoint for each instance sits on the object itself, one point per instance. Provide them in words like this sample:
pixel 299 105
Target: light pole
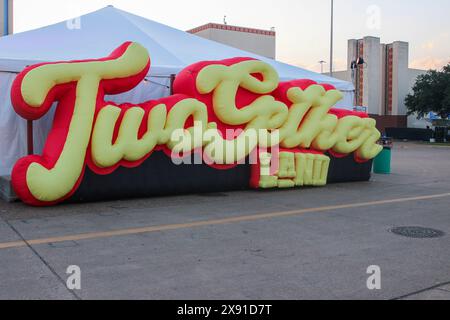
pixel 6 14
pixel 331 38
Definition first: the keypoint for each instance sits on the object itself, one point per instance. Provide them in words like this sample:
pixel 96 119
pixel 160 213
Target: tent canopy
pixel 100 32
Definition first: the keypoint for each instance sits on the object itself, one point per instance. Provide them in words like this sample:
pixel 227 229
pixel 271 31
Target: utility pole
pixel 332 38
pixel 6 17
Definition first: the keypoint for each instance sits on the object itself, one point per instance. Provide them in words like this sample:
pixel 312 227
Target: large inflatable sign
pixel 230 112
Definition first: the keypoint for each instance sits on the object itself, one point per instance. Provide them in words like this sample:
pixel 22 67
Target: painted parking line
pixel 247 218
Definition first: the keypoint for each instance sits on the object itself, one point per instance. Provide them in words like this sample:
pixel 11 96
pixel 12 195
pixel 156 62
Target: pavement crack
pixel 436 287
pixel 49 267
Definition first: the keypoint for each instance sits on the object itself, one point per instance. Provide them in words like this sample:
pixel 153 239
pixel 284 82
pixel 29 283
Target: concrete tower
pixel 367 77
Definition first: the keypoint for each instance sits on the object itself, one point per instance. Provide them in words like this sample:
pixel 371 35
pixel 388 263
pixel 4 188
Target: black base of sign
pixel 159 176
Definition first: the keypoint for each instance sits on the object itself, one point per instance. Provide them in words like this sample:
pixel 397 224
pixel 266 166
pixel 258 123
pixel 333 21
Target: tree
pixel 431 93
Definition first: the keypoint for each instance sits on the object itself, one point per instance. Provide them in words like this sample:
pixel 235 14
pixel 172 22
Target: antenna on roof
pixel 225 20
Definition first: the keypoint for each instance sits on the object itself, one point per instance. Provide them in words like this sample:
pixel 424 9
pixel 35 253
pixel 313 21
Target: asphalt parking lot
pixel 290 244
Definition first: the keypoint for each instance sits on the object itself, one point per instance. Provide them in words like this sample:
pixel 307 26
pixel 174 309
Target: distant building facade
pixel 382 78
pixel 261 42
pixel 6 17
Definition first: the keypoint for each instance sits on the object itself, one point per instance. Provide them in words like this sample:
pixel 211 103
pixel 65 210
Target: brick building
pixel 261 42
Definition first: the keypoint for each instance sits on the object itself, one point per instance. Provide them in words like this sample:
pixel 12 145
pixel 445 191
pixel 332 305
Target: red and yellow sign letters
pixel 211 99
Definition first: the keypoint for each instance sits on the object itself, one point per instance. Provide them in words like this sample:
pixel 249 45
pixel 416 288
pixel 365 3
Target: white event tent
pixel 96 35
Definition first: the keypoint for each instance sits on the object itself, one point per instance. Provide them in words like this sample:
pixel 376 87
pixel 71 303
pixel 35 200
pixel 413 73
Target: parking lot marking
pixel 247 218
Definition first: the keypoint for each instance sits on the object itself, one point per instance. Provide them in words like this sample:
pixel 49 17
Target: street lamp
pixel 321 65
pixel 331 38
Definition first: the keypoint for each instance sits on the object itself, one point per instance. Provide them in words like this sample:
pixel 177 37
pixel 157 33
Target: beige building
pixel 382 78
pixel 261 42
pixel 6 17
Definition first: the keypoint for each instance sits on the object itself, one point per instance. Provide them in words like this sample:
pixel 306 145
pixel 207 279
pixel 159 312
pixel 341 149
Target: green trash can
pixel 382 163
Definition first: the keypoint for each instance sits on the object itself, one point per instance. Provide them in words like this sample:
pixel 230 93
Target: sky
pixel 303 26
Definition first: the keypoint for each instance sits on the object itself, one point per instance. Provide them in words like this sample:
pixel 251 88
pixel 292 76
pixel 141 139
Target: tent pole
pixel 172 80
pixel 30 142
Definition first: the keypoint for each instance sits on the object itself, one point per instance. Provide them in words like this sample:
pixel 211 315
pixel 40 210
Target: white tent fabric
pixel 100 32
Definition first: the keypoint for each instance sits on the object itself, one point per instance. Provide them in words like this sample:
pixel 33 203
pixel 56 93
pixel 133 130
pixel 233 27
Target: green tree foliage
pixel 431 93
